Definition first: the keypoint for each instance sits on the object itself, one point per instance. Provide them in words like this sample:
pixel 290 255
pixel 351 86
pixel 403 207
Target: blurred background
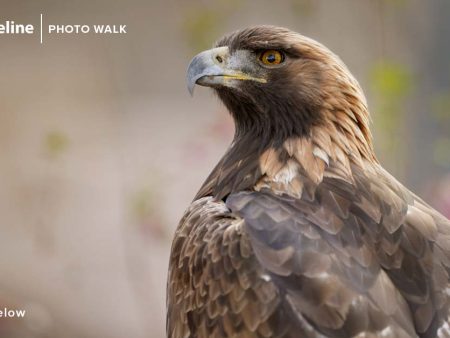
pixel 102 148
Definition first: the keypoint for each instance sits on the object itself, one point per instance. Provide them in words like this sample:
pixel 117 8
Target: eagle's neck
pixel 339 140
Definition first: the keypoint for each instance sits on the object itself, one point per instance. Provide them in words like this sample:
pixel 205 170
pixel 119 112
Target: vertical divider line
pixel 41 28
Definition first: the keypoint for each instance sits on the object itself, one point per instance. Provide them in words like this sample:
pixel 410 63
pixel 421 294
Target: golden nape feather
pixel 298 231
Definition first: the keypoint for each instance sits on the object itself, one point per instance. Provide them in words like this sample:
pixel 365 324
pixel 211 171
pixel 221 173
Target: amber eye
pixel 271 57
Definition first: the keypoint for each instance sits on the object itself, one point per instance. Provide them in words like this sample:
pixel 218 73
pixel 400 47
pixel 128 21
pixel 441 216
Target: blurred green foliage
pixel 391 83
pixel 55 143
pixel 142 203
pixel 203 23
pixel 303 7
pixel 201 28
pixel 145 204
pixel 146 211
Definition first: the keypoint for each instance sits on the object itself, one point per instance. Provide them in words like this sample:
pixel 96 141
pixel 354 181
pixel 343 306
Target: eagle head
pixel 290 97
pixel 279 84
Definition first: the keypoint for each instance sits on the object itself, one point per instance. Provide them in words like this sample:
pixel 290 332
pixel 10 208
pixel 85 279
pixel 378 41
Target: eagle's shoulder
pixel 216 287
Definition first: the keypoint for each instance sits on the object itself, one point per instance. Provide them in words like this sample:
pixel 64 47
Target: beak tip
pixel 191 85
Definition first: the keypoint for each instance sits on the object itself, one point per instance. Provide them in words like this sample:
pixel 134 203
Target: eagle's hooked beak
pixel 213 68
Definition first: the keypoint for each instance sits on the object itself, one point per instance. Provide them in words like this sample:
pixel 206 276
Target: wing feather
pixel 370 245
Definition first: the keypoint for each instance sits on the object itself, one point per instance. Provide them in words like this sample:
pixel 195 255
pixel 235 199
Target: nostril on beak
pixel 219 59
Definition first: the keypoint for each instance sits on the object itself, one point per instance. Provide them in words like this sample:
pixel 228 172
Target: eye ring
pixel 271 57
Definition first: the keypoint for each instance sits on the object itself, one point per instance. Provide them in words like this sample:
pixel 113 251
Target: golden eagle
pixel 299 231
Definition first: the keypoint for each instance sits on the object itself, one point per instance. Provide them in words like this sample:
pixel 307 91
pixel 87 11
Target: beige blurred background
pixel 102 148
